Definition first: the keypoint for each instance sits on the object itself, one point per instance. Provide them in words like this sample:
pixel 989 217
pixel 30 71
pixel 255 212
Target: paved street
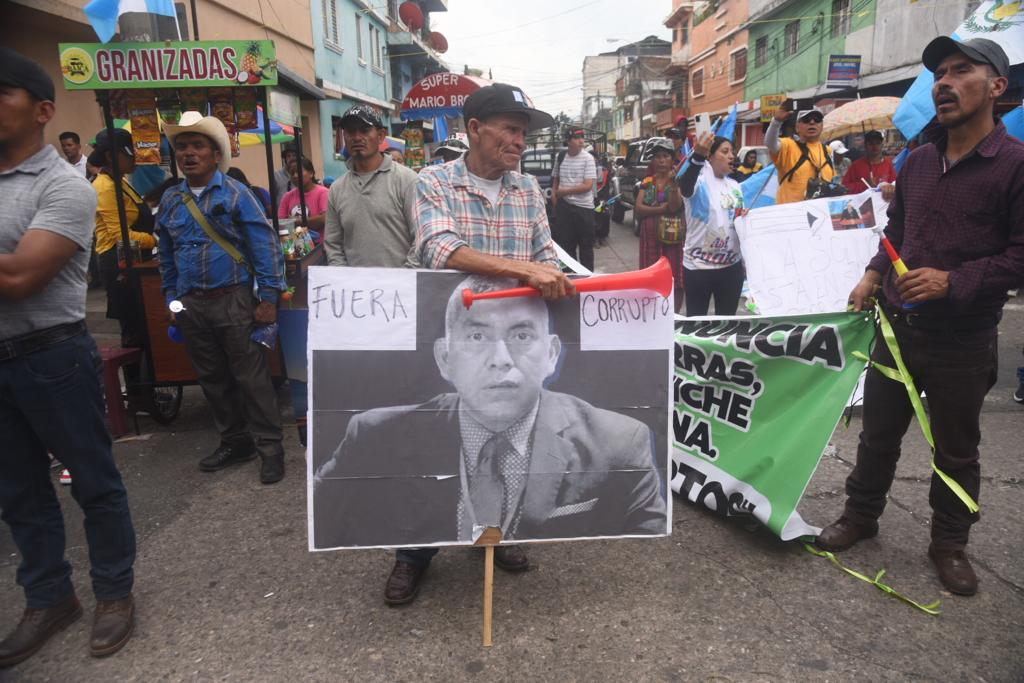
pixel 226 589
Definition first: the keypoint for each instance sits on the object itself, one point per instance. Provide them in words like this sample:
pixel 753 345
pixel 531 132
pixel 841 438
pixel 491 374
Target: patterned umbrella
pixel 859 116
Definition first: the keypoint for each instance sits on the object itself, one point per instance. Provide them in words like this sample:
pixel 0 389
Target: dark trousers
pixel 574 232
pixel 232 369
pixel 419 557
pixel 725 284
pixel 52 400
pixel 955 369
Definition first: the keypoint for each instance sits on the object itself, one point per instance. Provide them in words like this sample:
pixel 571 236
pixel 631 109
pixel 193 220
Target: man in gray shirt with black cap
pixel 370 209
pixel 51 399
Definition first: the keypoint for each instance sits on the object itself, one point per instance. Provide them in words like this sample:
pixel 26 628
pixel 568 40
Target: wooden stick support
pixel 488 593
pixel 489 538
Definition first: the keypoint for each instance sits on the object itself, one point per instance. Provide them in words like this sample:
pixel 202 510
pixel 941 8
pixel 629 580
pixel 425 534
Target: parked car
pixel 540 163
pixel 763 157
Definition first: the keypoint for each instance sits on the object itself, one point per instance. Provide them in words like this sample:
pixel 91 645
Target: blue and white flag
pixel 727 128
pixel 1014 122
pixel 103 14
pixel 767 179
pixel 999 21
pixel 897 163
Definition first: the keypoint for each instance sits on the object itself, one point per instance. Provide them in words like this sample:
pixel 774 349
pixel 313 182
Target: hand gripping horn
pixel 657 278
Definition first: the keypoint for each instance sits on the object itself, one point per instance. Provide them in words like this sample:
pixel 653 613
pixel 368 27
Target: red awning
pixel 439 95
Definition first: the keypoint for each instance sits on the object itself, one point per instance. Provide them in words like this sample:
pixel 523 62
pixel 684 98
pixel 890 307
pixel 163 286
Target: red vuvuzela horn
pixel 657 278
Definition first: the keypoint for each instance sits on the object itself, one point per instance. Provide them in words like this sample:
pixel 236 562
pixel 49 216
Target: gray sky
pixel 539 45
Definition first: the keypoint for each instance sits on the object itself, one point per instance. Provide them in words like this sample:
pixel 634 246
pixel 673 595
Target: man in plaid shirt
pixel 478 214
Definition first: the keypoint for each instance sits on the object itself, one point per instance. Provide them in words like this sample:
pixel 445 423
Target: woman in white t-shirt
pixel 712 264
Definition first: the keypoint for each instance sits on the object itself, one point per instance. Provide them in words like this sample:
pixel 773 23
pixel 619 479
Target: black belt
pixel 39 340
pixel 934 323
pixel 215 293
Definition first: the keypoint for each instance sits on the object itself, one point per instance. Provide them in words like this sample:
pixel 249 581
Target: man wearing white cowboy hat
pixel 215 241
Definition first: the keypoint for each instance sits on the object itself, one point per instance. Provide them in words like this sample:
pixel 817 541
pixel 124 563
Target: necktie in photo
pixel 488 489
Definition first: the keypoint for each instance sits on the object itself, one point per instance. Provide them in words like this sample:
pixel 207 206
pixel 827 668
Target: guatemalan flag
pixel 1000 21
pixel 103 14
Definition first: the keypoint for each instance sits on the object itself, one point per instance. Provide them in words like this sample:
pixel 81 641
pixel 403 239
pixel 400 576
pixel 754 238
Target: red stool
pixel 114 358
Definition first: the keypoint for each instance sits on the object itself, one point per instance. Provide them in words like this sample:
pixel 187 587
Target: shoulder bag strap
pixel 190 204
pixel 805 155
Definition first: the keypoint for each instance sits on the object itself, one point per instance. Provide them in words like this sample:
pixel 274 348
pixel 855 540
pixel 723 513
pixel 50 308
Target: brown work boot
pixel 115 620
pixel 843 534
pixel 404 583
pixel 955 571
pixel 511 558
pixel 35 628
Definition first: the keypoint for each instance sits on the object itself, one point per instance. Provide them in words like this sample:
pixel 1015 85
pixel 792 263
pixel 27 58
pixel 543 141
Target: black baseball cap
pixel 122 143
pixel 980 50
pixel 364 113
pixel 575 133
pixel 501 98
pixel 674 133
pixel 18 71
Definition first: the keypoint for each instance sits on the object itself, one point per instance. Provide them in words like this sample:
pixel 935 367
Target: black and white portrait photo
pixel 489 416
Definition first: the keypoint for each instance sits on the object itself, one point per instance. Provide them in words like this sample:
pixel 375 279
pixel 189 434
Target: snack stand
pixel 152 84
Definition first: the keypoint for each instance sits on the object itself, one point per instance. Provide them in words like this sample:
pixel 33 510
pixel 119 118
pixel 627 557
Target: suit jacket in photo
pixel 394 480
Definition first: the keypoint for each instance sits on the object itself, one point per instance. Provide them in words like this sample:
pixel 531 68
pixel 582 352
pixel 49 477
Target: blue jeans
pixel 52 400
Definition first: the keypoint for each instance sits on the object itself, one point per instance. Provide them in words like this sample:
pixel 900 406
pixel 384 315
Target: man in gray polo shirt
pixel 50 393
pixel 572 188
pixel 370 209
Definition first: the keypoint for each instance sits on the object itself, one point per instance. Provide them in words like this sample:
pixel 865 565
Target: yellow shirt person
pixel 786 153
pixel 108 226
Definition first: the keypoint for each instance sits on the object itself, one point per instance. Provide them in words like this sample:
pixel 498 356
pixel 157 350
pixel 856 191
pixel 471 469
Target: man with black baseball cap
pixel 51 398
pixel 957 221
pixel 370 208
pixel 572 190
pixel 480 215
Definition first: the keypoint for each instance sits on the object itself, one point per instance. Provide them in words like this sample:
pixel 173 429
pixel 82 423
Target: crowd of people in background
pixel 222 275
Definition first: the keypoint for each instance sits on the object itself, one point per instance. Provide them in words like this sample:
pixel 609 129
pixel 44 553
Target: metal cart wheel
pixel 164 403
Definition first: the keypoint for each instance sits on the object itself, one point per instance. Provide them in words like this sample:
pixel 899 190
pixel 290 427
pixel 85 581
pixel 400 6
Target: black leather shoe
pixel 271 468
pixel 955 571
pixel 35 628
pixel 115 620
pixel 843 534
pixel 511 558
pixel 228 454
pixel 404 583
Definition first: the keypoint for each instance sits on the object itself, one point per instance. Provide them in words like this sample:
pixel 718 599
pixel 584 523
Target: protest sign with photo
pixel 756 401
pixel 806 257
pixel 431 421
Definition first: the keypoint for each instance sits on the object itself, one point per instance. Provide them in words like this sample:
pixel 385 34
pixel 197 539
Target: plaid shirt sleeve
pixel 437 236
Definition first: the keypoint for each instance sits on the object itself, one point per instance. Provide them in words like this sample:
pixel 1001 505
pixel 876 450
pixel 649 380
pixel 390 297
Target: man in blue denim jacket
pixel 216 289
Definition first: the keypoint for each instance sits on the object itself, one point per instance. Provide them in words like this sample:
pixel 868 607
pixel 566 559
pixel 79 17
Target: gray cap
pixel 980 50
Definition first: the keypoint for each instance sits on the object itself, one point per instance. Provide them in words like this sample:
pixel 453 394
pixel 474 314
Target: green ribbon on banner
pixel 931 608
pixel 901 374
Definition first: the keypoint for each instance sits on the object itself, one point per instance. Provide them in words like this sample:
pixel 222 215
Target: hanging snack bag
pixel 222 106
pixel 145 128
pixel 245 108
pixel 168 107
pixel 193 99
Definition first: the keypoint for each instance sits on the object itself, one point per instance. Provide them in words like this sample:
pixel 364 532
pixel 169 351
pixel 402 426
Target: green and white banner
pixel 756 401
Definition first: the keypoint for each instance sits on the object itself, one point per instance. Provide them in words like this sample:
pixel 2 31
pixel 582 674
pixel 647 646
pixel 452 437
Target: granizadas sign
pixel 115 66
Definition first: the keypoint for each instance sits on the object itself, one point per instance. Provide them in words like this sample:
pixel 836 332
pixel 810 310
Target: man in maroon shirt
pixel 957 220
